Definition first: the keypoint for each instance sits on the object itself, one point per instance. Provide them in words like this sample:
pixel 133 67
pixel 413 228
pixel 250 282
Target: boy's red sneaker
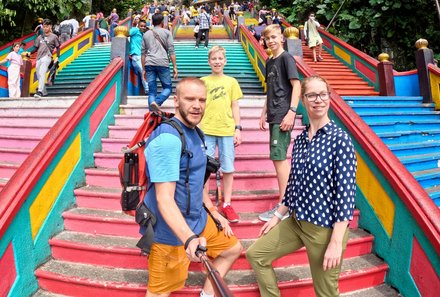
pixel 230 214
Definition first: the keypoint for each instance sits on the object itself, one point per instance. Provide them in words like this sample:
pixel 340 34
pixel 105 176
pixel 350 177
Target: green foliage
pixel 372 26
pixel 18 17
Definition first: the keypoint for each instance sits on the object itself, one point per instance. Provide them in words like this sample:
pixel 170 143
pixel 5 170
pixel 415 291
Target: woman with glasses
pixel 319 198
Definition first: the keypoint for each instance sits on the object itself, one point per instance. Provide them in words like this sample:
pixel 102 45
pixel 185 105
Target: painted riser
pixel 83 288
pixel 381 110
pixel 416 151
pixel 405 127
pixel 249 203
pixel 24 131
pixel 399 117
pixel 141 110
pixel 48 121
pixel 6 171
pixel 21 143
pixel 256 135
pixel 431 182
pixel 422 165
pixel 131 259
pixel 240 183
pixel 115 146
pixel 410 138
pixel 240 164
pixel 244 229
pixel 14 156
pixel 246 122
pixel 29 111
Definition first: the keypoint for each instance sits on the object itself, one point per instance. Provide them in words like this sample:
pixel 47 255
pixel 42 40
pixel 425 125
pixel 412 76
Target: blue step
pixel 428 178
pixel 384 109
pixel 373 117
pixel 434 193
pixel 421 162
pixel 408 136
pixel 415 148
pixel 383 99
pixel 397 126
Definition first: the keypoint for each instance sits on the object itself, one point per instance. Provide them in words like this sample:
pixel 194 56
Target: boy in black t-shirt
pixel 279 110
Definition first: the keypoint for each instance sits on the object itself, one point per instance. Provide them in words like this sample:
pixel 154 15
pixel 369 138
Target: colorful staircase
pixel 96 253
pixel 194 62
pixel 75 77
pixel 341 78
pixel 23 123
pixel 411 129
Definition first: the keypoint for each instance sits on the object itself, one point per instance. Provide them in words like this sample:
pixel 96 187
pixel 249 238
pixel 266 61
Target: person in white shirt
pixel 313 38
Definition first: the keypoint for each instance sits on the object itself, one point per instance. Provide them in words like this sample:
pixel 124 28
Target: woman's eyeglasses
pixel 324 96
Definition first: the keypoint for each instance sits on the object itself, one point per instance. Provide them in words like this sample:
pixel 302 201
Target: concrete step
pixel 263 180
pixel 7 169
pixel 35 119
pixel 15 155
pixel 121 252
pixel 13 141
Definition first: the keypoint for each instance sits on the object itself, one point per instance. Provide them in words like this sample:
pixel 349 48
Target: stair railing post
pixel 424 57
pixel 301 32
pixel 165 18
pixel 120 48
pixel 293 43
pixel 130 15
pixel 386 76
pixel 240 21
pixel 26 70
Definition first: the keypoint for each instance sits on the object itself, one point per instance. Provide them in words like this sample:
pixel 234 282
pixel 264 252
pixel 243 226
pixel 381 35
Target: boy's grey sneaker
pixel 268 215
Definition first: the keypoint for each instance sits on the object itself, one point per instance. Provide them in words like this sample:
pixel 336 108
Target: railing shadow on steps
pixel 393 205
pixel 33 200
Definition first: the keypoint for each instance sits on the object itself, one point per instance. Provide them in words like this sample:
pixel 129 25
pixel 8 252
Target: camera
pixel 212 166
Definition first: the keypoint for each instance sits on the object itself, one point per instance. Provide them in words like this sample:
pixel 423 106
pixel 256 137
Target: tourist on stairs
pixel 182 223
pixel 221 123
pixel 279 110
pixel 45 44
pixel 319 197
pixel 313 38
pixel 157 43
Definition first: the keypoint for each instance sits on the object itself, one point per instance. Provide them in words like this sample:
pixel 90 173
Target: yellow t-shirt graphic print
pixel 222 91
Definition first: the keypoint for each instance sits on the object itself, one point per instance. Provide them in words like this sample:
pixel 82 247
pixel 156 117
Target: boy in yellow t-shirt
pixel 221 123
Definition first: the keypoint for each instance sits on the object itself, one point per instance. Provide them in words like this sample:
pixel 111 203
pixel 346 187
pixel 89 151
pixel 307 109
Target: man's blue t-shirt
pixel 165 163
pixel 135 41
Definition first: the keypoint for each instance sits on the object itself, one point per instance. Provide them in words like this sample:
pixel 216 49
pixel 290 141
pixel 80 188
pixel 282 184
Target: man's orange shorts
pixel 168 265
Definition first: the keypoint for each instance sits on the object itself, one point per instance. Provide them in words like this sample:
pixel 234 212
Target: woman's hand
pixel 269 225
pixel 332 256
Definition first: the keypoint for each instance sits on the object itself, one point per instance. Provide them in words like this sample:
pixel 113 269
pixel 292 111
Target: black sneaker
pixel 38 94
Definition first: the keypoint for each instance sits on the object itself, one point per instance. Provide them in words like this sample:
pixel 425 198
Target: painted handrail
pixel 17 190
pixel 257 56
pixel 27 39
pixel 434 78
pixel 229 26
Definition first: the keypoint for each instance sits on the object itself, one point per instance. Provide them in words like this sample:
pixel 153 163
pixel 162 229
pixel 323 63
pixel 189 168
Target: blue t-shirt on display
pixel 165 163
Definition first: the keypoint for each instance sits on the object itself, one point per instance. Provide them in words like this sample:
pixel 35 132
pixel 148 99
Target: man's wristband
pixel 277 214
pixel 238 127
pixel 293 108
pixel 189 240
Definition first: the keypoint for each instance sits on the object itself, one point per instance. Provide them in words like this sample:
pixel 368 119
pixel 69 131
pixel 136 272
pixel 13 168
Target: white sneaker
pixel 268 215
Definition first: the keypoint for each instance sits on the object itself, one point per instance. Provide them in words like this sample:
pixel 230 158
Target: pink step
pixel 242 162
pixel 109 199
pixel 136 120
pixel 249 146
pixel 15 155
pixel 34 120
pixel 31 111
pixel 257 181
pixel 254 134
pixel 24 142
pixel 24 130
pixel 116 223
pixel 122 253
pixel 7 169
pixel 141 110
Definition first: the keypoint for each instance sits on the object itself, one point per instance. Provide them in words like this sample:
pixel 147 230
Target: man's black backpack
pixel 66 29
